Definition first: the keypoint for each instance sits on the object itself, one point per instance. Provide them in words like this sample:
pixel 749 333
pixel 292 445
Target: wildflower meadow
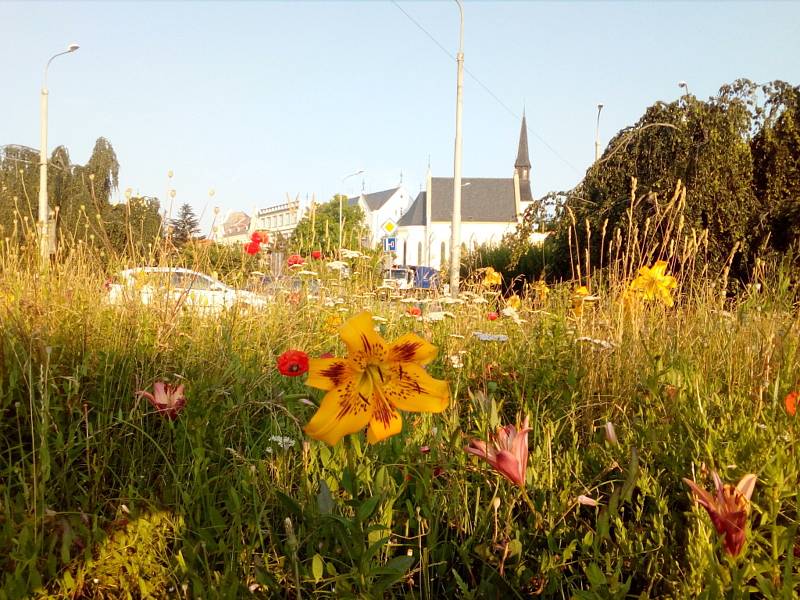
pixel 618 436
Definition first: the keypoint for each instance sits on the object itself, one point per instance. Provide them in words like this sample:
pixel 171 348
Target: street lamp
pixel 597 135
pixel 44 210
pixel 685 86
pixel 455 227
pixel 345 178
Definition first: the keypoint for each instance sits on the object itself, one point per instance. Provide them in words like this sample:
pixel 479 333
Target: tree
pixel 185 227
pixel 134 227
pixel 705 145
pixel 776 168
pixel 319 227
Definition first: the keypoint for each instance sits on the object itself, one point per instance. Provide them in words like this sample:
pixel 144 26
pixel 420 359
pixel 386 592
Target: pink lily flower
pixel 507 451
pixel 167 399
pixel 728 510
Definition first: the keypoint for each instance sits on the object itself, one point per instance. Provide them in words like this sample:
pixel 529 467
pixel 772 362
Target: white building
pixel 380 208
pixel 279 219
pixel 490 208
pixel 234 229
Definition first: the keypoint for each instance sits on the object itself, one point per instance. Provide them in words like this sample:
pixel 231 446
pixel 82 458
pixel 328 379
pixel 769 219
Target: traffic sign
pixel 390 244
pixel 389 227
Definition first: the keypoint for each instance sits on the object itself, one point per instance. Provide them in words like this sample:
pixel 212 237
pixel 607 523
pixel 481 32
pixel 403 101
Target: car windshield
pixel 397 274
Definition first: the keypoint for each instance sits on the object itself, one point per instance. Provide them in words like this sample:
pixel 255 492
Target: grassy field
pixel 102 497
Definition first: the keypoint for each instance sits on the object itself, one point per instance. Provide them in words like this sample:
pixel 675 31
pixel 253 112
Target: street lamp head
pixel 683 84
pixel 72 47
pixel 600 106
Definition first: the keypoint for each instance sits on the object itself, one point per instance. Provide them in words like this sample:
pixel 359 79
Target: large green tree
pixel 185 226
pixel 319 227
pixel 776 169
pixel 78 195
pixel 707 145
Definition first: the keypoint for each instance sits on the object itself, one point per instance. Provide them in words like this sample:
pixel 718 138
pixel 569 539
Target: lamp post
pixel 597 135
pixel 345 178
pixel 685 86
pixel 44 210
pixel 455 227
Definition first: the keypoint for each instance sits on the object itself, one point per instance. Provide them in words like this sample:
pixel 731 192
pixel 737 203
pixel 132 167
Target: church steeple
pixel 523 164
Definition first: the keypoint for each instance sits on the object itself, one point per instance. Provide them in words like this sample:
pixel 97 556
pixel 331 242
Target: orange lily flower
pixel 791 403
pixel 728 509
pixel 372 383
pixel 507 451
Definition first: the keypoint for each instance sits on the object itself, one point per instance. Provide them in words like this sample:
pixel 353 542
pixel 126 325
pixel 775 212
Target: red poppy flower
pixel 295 259
pixel 492 316
pixel 252 247
pixel 316 254
pixel 293 363
pixel 414 311
pixel 262 237
pixel 791 402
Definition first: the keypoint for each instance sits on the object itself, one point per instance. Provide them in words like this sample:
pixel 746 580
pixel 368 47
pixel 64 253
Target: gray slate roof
pixel 374 200
pixel 483 200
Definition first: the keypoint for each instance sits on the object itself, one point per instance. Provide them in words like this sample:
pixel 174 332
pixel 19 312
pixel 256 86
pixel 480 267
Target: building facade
pixel 380 208
pixel 234 228
pixel 279 219
pixel 490 208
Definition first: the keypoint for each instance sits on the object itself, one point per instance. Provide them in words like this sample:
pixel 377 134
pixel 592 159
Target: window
pixel 419 253
pixel 442 253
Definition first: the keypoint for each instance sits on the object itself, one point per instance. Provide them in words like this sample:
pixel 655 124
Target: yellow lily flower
pixel 375 380
pixel 654 283
pixel 491 277
pixel 514 302
pixel 579 296
pixel 540 287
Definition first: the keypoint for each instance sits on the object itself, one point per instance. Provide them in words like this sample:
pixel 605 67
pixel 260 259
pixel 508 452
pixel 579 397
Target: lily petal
pixel 412 348
pixel 508 465
pixel 410 388
pixel 702 496
pixel 328 373
pixel 361 339
pixel 384 425
pixel 746 485
pixel 343 411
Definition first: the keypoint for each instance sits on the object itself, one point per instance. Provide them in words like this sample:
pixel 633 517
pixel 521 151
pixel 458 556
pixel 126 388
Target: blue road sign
pixel 390 244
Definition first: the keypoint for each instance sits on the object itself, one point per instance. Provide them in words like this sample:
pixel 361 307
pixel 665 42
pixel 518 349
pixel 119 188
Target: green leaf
pixel 514 548
pixel 317 567
pixel 324 499
pixel 290 504
pixel 596 577
pixel 367 507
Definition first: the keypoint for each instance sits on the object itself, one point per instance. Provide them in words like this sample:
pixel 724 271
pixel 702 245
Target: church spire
pixel 523 163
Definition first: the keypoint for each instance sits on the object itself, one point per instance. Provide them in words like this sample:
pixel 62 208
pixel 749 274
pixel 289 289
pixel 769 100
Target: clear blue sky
pixel 260 99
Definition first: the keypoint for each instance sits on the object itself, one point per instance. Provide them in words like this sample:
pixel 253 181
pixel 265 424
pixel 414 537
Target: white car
pixel 177 286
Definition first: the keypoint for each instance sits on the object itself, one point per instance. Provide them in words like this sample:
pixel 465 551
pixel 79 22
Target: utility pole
pixel 455 227
pixel 44 209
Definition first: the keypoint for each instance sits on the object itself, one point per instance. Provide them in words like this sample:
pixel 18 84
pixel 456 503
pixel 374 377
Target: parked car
pixel 272 287
pixel 410 278
pixel 150 285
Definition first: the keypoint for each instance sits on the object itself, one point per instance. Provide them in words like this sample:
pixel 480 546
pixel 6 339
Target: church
pixel 490 208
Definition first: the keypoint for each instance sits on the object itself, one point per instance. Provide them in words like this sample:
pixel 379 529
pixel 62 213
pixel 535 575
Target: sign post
pixel 390 244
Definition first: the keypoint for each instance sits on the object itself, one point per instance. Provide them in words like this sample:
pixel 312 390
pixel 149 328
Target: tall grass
pixel 102 498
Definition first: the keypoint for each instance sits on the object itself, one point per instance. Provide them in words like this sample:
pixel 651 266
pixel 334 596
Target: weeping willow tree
pixel 737 154
pixel 78 195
